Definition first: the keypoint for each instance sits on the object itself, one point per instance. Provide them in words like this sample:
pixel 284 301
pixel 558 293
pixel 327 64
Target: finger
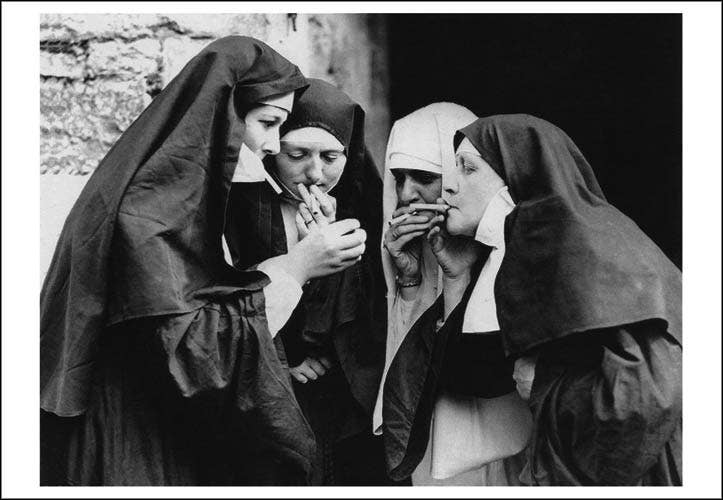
pixel 412 219
pixel 304 192
pixel 319 217
pixel 341 227
pixel 352 253
pixel 306 215
pixel 325 361
pixel 303 209
pixel 324 202
pixel 301 226
pixel 434 238
pixel 316 366
pixel 306 370
pixel 408 228
pixel 403 240
pixel 347 241
pixel 402 210
pixel 298 376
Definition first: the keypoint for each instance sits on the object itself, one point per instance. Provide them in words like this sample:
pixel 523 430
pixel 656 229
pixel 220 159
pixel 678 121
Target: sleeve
pixel 281 296
pixel 606 414
pixel 222 363
pixel 398 325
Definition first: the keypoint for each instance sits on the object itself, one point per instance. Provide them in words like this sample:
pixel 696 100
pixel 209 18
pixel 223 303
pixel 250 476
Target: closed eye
pixel 296 155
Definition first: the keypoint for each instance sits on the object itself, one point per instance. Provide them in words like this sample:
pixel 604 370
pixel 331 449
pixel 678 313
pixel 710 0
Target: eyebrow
pixel 304 147
pixel 268 116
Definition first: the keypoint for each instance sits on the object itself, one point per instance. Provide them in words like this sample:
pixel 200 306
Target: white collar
pixel 491 228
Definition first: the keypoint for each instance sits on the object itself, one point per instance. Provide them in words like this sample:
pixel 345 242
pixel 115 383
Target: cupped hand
pixel 326 249
pixel 455 254
pixel 403 240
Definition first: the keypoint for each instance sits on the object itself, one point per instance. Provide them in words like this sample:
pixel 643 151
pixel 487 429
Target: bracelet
pixel 406 284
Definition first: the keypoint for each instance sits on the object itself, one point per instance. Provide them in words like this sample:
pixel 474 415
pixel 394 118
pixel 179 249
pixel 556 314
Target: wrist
pixel 405 280
pixel 291 265
pixel 460 277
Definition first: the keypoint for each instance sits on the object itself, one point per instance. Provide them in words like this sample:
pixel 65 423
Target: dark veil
pixel 573 262
pixel 144 237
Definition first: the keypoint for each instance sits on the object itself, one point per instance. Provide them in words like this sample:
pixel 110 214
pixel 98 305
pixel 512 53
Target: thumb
pixel 435 239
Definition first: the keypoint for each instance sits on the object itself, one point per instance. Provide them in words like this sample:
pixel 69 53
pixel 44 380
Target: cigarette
pixel 398 219
pixel 429 206
pixel 271 181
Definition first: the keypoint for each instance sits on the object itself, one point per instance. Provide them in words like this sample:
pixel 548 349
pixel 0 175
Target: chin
pixel 451 227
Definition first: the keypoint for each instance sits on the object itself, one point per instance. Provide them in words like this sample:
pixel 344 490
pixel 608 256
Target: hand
pixel 325 250
pixel 402 240
pixel 455 254
pixel 310 369
pixel 524 375
pixel 317 209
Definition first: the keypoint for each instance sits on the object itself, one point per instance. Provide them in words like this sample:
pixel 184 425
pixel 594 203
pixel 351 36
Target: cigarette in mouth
pixel 429 206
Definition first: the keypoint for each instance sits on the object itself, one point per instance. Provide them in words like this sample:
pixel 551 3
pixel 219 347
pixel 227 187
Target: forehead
pixel 268 110
pixel 413 172
pixel 312 137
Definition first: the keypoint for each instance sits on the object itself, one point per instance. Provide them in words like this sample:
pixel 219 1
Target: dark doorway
pixel 612 82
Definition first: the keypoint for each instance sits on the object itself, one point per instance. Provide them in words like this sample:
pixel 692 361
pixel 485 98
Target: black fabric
pixel 157 365
pixel 428 362
pixel 607 409
pixel 341 316
pixel 475 365
pixel 573 262
pixel 194 399
pixel 144 237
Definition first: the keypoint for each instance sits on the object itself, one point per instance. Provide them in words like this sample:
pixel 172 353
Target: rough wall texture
pixel 98 72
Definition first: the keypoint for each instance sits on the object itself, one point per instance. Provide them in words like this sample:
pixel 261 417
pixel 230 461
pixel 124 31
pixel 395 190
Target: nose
pixel 449 183
pixel 409 193
pixel 314 169
pixel 271 145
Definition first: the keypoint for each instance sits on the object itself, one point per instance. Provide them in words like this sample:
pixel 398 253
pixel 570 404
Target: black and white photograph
pixel 361 245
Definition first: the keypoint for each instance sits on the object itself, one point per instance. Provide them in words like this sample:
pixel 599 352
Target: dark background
pixel 612 82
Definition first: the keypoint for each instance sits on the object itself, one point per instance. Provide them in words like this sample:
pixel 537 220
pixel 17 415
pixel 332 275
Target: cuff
pixel 282 296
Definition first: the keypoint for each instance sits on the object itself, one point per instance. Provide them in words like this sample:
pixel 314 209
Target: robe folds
pixel 607 407
pixel 157 364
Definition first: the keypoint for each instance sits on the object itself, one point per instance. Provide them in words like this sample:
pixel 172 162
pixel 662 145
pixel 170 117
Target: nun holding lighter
pixel 159 364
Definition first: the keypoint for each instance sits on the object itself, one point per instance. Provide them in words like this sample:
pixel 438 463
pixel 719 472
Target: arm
pixel 605 418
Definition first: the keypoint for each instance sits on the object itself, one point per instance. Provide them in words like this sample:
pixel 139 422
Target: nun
pixel 588 307
pixel 158 363
pixel 334 340
pixel 438 433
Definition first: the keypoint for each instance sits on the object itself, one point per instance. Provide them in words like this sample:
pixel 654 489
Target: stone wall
pixel 99 71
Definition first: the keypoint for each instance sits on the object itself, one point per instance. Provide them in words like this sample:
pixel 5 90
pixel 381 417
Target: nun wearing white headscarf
pixel 419 151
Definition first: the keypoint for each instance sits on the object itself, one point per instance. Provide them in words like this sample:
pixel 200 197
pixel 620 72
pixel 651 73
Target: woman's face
pixel 468 189
pixel 262 129
pixel 310 155
pixel 416 186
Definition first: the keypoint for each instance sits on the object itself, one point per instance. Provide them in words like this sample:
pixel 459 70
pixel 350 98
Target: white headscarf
pixel 422 140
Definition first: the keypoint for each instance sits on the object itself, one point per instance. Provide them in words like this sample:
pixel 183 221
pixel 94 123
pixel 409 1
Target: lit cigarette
pixel 429 206
pixel 271 181
pixel 398 219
